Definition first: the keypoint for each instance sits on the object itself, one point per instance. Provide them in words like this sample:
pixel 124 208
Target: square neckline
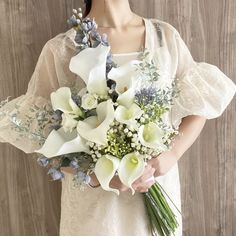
pixel 145 43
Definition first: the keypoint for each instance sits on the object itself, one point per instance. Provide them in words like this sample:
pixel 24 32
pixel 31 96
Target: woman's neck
pixel 111 13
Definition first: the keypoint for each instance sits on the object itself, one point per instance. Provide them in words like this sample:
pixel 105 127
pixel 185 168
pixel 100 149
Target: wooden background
pixel 30 203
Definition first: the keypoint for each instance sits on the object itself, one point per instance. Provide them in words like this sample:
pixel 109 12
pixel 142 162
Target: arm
pixel 190 127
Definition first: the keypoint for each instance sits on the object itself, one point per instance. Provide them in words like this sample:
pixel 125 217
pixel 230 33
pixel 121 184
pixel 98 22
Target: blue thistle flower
pixel 145 96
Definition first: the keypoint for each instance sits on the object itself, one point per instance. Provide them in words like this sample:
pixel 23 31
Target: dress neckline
pixel 145 39
pixel 147 44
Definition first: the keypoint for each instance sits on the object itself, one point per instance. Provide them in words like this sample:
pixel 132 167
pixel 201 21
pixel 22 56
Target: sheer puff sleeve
pixel 25 120
pixel 204 89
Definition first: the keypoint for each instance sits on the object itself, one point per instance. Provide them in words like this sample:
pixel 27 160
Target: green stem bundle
pixel 162 219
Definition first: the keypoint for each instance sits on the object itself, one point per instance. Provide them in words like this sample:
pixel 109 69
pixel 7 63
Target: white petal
pixel 123 75
pixel 68 122
pixel 127 98
pixel 131 168
pixel 58 143
pixel 128 115
pixel 60 99
pixel 90 65
pixel 75 109
pixel 105 169
pixel 95 129
pixel 150 135
pixel 126 78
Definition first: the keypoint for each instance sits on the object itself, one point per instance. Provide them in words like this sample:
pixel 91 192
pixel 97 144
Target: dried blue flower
pixel 88 25
pixel 79 37
pixel 85 39
pixel 43 161
pixel 72 21
pixel 56 174
pixel 57 115
pixel 55 127
pixel 76 99
pixel 95 44
pixel 87 179
pixel 104 39
pixel 95 36
pixel 145 96
pixel 80 175
pixel 74 164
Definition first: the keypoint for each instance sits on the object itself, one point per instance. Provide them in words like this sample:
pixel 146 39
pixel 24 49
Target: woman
pixel 95 211
pixel 127 34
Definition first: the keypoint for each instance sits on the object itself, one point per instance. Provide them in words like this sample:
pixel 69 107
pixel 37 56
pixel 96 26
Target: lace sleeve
pixel 25 121
pixel 204 89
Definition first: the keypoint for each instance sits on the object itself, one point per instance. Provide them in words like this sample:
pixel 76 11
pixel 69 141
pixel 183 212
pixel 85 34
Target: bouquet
pixel 111 126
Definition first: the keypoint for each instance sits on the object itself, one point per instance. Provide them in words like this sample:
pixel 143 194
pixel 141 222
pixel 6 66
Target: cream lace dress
pixel 205 91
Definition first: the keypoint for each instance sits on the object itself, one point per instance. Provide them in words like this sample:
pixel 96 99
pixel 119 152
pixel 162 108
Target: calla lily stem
pixel 162 218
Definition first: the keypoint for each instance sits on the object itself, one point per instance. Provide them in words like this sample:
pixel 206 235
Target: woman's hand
pixel 163 163
pixel 114 183
pixel 146 180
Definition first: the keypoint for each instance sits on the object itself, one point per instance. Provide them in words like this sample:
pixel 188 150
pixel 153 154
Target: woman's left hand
pixel 157 166
pixel 145 181
pixel 163 162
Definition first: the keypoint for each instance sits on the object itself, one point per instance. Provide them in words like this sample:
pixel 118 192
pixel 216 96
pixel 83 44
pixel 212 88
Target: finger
pixel 150 179
pixel 145 186
pixel 142 179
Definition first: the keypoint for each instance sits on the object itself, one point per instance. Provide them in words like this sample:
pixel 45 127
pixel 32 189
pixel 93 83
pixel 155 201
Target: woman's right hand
pixel 114 183
pixel 117 184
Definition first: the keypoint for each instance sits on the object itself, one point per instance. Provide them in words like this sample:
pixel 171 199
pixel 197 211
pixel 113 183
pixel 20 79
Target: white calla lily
pixel 94 128
pixel 128 115
pixel 61 100
pixel 131 168
pixel 150 135
pixel 90 65
pixel 105 169
pixel 125 77
pixel 59 142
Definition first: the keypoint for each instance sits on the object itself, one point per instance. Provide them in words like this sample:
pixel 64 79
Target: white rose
pixel 89 101
pixel 68 122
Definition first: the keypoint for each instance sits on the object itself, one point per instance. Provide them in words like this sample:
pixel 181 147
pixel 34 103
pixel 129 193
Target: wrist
pixel 163 162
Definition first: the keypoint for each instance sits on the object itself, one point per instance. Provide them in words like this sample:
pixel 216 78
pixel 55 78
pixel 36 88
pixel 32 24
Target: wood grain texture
pixel 30 203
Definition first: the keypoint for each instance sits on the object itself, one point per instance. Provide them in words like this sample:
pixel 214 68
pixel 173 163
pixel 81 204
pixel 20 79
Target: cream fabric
pixel 205 91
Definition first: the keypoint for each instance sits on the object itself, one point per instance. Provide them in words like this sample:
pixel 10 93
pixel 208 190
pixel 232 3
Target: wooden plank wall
pixel 30 203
